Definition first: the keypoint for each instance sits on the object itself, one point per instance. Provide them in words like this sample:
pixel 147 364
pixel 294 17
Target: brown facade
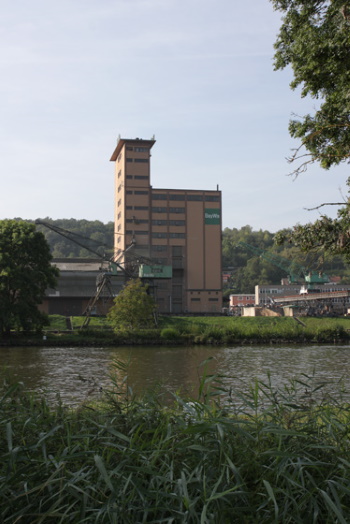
pixel 181 228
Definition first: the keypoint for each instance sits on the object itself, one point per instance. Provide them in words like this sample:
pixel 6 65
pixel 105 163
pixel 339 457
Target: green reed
pixel 257 455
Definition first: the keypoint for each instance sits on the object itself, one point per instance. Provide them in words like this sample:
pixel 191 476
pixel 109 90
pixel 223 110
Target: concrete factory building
pixel 170 227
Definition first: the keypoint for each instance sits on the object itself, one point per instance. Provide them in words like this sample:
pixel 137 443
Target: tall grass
pixel 192 330
pixel 265 455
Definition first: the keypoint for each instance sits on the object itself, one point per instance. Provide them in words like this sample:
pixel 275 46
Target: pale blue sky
pixel 197 74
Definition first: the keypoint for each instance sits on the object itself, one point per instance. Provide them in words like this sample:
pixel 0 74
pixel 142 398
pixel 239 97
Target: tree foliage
pixel 314 39
pixel 25 274
pixel 133 308
pixel 248 268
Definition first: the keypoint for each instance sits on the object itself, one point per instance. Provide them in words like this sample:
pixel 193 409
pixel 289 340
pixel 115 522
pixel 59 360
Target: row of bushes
pixel 264 456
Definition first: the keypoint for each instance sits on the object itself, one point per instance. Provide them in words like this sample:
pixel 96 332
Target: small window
pixel 177 251
pixel 159 209
pixel 176 210
pixel 159 222
pixel 141 160
pixel 141 192
pixel 212 198
pixel 198 198
pixel 159 196
pixel 141 208
pixel 129 159
pixel 176 235
pixel 141 177
pixel 129 148
pixel 177 197
pixel 177 222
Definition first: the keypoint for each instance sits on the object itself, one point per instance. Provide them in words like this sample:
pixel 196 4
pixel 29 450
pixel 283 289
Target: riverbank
pixel 280 456
pixel 190 331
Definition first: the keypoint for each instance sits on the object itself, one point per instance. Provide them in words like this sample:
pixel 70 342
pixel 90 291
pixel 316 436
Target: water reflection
pixel 77 373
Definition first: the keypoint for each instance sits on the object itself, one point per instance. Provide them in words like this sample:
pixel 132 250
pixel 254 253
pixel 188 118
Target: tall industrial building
pixel 172 227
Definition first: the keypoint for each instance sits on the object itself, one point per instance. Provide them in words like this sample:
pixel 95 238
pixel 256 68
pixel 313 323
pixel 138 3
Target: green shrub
pixel 169 334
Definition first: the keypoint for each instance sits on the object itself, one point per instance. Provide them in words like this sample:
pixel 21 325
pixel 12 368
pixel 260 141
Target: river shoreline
pixel 103 339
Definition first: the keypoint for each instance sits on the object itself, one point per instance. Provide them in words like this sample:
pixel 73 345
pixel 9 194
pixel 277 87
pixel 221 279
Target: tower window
pixel 159 196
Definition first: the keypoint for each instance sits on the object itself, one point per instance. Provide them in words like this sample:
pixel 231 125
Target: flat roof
pixel 123 141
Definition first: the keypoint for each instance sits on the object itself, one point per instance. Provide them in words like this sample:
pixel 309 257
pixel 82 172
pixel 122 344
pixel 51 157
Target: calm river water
pixel 78 373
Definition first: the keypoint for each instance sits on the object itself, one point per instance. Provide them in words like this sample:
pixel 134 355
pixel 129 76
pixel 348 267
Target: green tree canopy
pixel 25 274
pixel 314 39
pixel 133 308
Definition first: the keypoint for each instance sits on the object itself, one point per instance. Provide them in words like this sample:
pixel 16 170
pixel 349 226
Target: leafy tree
pixel 133 308
pixel 25 274
pixel 314 39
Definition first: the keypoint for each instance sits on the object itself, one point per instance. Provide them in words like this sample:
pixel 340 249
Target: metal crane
pixel 103 281
pixel 142 267
pixel 294 271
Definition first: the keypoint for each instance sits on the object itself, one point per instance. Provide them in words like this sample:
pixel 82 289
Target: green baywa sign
pixel 212 216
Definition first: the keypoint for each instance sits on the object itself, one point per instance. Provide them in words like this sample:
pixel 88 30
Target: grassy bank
pixel 193 330
pixel 276 456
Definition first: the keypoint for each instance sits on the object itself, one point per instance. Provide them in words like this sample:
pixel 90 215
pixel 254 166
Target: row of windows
pixel 137 208
pixel 137 192
pixel 130 232
pixel 137 149
pixel 168 222
pixel 210 300
pixel 168 235
pixel 137 220
pixel 139 160
pixel 137 177
pixel 166 209
pixel 199 198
